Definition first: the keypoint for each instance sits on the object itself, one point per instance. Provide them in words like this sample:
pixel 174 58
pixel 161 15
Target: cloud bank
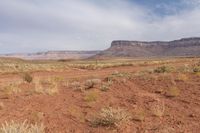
pixel 35 25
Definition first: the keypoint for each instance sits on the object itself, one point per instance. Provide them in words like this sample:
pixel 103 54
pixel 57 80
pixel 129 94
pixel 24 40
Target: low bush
pixel 104 87
pixel 196 69
pixel 27 77
pixel 91 83
pixel 76 86
pixel 163 69
pixel 110 117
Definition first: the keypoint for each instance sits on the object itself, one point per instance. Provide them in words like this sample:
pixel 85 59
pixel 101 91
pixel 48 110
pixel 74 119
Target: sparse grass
pixel 13 127
pixel 104 87
pixel 185 68
pixel 12 88
pixel 182 77
pixel 139 116
pixel 37 116
pixel 163 69
pixel 158 109
pixel 49 87
pixel 196 69
pixel 172 92
pixel 91 97
pixel 121 74
pixel 76 86
pixel 27 78
pixel 110 117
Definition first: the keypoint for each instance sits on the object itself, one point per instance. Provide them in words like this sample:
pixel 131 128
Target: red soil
pixel 68 112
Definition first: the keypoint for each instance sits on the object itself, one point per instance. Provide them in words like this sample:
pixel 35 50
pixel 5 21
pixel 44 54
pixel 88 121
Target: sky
pixel 41 25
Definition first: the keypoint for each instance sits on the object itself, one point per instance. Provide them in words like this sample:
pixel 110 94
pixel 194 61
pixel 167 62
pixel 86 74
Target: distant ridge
pixel 53 55
pixel 123 48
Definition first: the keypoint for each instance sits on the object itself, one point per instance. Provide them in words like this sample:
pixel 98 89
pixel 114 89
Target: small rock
pixel 192 115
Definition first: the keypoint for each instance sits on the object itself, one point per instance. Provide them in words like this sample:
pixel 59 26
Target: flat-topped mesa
pixel 195 41
pixel 181 47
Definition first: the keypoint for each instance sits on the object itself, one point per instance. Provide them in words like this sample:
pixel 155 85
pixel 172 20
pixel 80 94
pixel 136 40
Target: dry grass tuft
pixel 138 115
pixel 196 69
pixel 76 86
pixel 91 83
pixel 110 117
pixel 163 69
pixel 27 78
pixel 158 109
pixel 104 87
pixel 12 88
pixel 13 127
pixel 182 77
pixel 49 87
pixel 172 92
pixel 91 97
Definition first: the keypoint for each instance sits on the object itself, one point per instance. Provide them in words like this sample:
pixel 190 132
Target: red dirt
pixel 68 112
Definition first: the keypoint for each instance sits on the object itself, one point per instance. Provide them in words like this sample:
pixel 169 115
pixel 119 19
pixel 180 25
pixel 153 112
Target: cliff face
pixel 182 47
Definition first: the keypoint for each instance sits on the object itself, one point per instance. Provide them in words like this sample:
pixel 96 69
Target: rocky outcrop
pixel 182 47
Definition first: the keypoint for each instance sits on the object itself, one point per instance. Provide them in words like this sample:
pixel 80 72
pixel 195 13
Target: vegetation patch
pixel 91 83
pixel 172 92
pixel 76 86
pixel 12 88
pixel 196 69
pixel 110 117
pixel 49 87
pixel 182 77
pixel 13 127
pixel 163 69
pixel 91 97
pixel 158 109
pixel 139 116
pixel 105 87
pixel 27 78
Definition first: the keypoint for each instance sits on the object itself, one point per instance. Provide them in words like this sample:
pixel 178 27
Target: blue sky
pixel 41 25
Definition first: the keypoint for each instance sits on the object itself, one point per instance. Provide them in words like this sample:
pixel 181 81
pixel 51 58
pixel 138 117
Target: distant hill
pixel 54 55
pixel 182 47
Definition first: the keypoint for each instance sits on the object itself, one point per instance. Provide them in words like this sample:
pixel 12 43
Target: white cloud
pixel 49 24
